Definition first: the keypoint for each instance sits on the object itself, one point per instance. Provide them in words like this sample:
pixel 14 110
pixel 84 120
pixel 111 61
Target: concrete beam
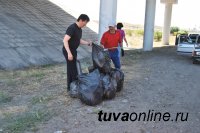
pixel 149 25
pixel 167 23
pixel 108 13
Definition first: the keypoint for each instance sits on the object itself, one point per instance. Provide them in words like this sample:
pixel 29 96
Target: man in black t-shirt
pixel 71 41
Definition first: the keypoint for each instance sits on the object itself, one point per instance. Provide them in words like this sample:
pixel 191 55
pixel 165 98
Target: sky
pixel 185 13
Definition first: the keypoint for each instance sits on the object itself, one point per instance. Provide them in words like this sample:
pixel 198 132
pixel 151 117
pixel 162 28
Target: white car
pixel 196 52
pixel 189 45
pixel 185 45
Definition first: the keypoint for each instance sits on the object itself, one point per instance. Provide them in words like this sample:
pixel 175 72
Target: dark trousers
pixel 72 73
pixel 114 55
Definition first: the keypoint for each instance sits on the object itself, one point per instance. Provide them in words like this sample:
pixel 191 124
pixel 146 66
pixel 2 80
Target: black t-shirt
pixel 75 33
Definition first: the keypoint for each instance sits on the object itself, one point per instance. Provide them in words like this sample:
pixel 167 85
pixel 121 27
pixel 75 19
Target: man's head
pixel 83 19
pixel 111 26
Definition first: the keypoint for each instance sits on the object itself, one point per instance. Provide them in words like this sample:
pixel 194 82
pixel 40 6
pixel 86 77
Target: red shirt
pixel 110 40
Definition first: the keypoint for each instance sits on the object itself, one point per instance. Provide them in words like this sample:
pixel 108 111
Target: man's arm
pixel 103 40
pixel 89 43
pixel 120 39
pixel 66 45
pixel 125 41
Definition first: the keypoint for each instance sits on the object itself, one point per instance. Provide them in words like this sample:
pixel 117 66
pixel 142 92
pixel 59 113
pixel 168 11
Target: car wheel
pixel 195 61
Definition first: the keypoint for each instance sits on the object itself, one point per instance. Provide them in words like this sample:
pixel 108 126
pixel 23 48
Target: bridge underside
pixel 31 33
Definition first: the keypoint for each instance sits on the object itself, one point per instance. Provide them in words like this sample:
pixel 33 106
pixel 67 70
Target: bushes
pixel 139 32
pixel 183 32
pixel 129 32
pixel 176 30
pixel 157 36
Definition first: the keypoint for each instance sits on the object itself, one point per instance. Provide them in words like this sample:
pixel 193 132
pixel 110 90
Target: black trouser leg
pixel 71 68
pixel 71 72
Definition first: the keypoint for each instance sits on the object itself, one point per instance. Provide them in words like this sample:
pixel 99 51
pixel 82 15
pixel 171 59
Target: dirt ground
pixel 36 100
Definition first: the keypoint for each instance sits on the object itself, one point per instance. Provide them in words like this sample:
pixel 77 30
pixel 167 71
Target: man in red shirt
pixel 110 41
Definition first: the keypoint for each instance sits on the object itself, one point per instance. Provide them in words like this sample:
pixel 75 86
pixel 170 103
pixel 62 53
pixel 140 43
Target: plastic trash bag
pixel 98 55
pixel 105 69
pixel 101 58
pixel 109 86
pixel 122 52
pixel 118 75
pixel 78 66
pixel 74 89
pixel 90 88
pixel 91 69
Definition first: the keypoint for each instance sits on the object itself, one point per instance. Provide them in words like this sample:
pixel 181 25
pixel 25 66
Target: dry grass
pixel 135 39
pixel 32 96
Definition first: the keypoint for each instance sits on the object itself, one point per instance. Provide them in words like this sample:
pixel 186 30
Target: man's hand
pixel 70 57
pixel 101 45
pixel 127 44
pixel 89 43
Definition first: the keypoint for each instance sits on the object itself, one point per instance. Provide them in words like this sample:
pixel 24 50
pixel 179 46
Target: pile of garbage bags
pixel 102 81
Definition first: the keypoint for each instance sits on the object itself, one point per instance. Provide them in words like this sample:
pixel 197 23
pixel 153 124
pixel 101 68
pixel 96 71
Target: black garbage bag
pixel 74 89
pixel 91 69
pixel 101 59
pixel 109 86
pixel 90 88
pixel 78 66
pixel 118 75
pixel 105 69
pixel 122 52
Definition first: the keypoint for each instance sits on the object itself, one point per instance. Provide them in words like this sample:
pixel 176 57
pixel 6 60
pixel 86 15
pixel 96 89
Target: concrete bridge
pixel 31 33
pixel 108 12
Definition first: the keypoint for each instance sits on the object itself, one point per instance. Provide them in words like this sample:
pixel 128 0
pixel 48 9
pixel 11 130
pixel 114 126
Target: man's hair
pixel 83 17
pixel 119 25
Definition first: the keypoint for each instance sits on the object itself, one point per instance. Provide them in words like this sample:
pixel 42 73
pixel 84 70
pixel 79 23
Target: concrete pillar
pixel 108 13
pixel 167 23
pixel 149 25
